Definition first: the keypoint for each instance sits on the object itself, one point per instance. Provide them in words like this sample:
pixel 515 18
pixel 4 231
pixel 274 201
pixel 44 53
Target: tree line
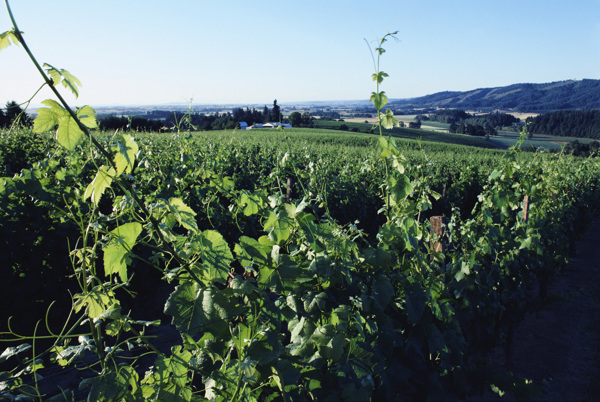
pixel 13 114
pixel 160 120
pixel 496 119
pixel 567 123
pixel 462 122
pixel 581 149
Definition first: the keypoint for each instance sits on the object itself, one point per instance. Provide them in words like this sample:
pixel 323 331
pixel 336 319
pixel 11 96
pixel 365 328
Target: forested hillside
pixel 572 123
pixel 561 95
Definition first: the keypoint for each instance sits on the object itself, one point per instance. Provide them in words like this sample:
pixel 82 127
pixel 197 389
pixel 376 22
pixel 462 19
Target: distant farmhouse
pixel 245 126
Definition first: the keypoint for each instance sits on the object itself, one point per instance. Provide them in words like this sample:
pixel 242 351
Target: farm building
pixel 269 125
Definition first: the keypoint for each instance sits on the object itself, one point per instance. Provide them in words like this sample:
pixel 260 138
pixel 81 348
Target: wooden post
pixel 438 223
pixel 525 208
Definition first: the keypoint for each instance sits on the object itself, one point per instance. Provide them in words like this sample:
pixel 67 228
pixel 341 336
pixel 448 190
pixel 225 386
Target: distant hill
pixel 560 95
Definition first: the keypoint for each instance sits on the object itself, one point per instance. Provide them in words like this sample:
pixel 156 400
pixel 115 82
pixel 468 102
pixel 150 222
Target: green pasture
pixel 411 134
pixel 508 138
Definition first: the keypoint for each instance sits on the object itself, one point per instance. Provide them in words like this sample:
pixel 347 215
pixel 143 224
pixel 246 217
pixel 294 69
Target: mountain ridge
pixel 524 97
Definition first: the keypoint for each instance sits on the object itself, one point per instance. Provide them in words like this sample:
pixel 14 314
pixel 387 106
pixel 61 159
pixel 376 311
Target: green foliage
pixel 123 238
pixel 574 123
pixel 63 76
pixel 69 133
pixel 8 38
pixel 98 186
pixel 274 289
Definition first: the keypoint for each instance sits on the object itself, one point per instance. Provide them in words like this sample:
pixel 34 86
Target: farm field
pixel 508 138
pixel 267 263
pixel 411 134
pixel 437 132
pixel 358 261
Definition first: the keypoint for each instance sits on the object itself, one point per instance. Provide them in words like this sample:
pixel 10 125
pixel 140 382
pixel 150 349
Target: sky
pixel 132 52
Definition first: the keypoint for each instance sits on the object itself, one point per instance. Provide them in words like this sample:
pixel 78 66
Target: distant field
pixel 508 138
pixel 410 134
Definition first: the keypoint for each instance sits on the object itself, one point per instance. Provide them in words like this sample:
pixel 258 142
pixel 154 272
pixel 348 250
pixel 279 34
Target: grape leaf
pixel 379 76
pixel 250 202
pixel 87 117
pixel 216 257
pixel 47 119
pixel 68 80
pixel 125 154
pixel 183 214
pixel 250 251
pixel 101 182
pixel 6 38
pixel 388 147
pixel 13 351
pixel 68 134
pixel 198 309
pixel 388 120
pixel 281 223
pixel 97 301
pixel 379 99
pixel 124 238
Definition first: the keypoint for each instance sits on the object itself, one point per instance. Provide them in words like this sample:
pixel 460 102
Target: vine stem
pixel 51 84
pixel 98 146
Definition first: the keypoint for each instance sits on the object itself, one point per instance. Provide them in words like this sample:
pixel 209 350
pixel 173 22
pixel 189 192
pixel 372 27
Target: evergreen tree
pixel 275 114
pixel 15 115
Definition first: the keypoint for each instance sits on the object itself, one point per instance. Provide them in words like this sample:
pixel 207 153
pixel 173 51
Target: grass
pixel 505 139
pixel 411 134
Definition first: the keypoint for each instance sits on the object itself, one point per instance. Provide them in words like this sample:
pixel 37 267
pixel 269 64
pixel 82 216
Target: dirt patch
pixel 558 346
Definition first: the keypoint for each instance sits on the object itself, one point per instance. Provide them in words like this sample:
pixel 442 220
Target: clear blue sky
pixel 251 52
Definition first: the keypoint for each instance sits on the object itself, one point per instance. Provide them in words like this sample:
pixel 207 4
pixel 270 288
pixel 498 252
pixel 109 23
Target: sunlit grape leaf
pixel 69 135
pixel 251 203
pixel 330 345
pixel 13 351
pixel 249 252
pixel 96 301
pixel 123 238
pixel 175 368
pixel 101 182
pixel 183 214
pixel 465 270
pixel 379 76
pixel 279 277
pixel 388 120
pixel 280 224
pixel 6 38
pixel 125 154
pixel 216 257
pixel 48 118
pixel 68 80
pixel 379 99
pixel 87 116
